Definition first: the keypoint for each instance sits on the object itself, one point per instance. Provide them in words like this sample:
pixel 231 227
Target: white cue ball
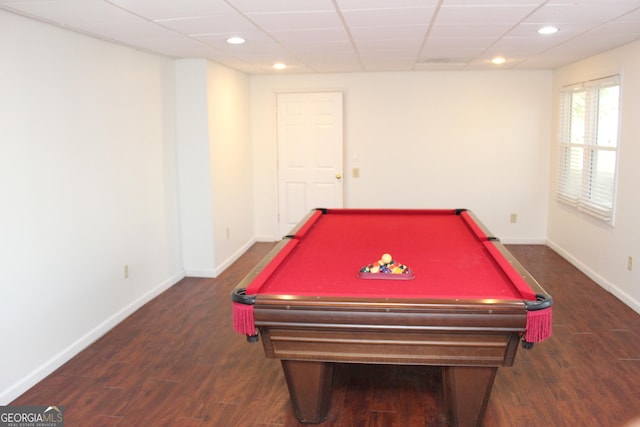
pixel 386 259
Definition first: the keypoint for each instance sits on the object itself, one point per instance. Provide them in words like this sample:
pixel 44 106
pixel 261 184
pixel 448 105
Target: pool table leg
pixel 309 386
pixel 466 393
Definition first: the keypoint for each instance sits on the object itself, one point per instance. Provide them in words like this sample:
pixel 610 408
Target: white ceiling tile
pixel 448 55
pixel 162 9
pixel 384 4
pixel 513 47
pixel 503 15
pixel 439 67
pixel 182 50
pixel 459 42
pixel 601 40
pixel 388 17
pixel 352 35
pixel 264 46
pixel 469 30
pixel 333 64
pixel 317 36
pixel 632 16
pixel 582 12
pixel 149 37
pixel 274 6
pixel 254 43
pixel 496 3
pixel 212 24
pixel 567 30
pixel 408 32
pixel 296 20
pixel 74 11
pixel 629 28
pixel 388 47
pixel 316 53
pixel 389 53
pixel 337 55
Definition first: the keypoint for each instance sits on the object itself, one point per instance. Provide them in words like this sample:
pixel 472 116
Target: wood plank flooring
pixel 177 362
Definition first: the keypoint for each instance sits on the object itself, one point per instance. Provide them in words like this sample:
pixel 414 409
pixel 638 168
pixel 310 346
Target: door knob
pixel 338 176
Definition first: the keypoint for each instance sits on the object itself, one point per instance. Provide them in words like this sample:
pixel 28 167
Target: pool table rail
pixel 391 330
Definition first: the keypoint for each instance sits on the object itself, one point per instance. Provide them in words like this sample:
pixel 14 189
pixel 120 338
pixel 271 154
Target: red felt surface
pixel 473 226
pixel 446 253
pixel 270 269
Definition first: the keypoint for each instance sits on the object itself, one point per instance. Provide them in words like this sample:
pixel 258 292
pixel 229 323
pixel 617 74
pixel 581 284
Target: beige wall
pixel 87 185
pixel 478 140
pixel 214 165
pixel 231 163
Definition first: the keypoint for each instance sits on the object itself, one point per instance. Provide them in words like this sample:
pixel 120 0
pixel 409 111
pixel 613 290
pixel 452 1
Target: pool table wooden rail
pixel 392 331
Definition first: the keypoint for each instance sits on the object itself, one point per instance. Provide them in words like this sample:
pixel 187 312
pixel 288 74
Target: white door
pixel 310 146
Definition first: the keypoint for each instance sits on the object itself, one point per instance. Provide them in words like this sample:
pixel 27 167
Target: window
pixel 588 142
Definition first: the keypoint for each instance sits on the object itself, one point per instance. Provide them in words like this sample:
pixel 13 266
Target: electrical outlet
pixel 630 263
pixel 126 271
pixel 513 218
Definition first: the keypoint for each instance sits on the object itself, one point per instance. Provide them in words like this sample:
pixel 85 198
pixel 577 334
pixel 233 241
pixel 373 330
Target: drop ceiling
pixel 328 36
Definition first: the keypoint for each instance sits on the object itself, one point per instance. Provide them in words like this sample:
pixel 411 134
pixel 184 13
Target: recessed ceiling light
pixel 548 30
pixel 279 66
pixel 235 40
pixel 498 60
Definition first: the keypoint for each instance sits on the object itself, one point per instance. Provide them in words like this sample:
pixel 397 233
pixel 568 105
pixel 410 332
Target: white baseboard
pixel 83 342
pixel 209 273
pixel 523 241
pixel 213 273
pixel 234 257
pixel 601 281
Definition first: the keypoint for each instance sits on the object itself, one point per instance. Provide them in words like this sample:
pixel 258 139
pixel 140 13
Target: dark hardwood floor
pixel 178 362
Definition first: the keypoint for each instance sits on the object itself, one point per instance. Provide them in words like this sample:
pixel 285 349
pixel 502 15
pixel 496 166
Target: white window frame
pixel 580 182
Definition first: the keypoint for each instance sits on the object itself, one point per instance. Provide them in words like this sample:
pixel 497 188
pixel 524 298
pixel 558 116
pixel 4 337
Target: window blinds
pixel 588 142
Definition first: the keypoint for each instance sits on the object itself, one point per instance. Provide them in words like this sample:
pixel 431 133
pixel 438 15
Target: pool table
pixel 466 305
